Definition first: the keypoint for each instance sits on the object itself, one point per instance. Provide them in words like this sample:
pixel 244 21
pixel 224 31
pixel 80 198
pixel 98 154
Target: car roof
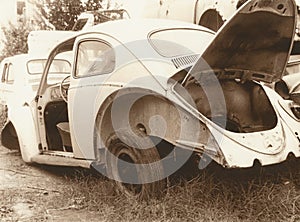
pixel 27 57
pixel 136 29
pixel 24 57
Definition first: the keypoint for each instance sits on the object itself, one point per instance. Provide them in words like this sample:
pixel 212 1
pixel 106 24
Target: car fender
pixel 23 121
pixel 154 115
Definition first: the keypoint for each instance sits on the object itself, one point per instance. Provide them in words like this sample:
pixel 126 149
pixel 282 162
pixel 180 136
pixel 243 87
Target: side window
pixel 4 71
pixel 7 75
pixel 10 75
pixel 94 58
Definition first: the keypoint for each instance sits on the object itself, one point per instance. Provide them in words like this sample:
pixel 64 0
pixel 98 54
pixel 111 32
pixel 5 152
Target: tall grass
pixel 216 194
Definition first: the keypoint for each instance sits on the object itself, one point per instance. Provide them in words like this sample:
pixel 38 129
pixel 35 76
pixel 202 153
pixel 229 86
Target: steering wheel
pixel 63 88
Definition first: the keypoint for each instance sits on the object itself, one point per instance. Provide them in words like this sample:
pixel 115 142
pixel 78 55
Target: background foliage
pixel 92 5
pixel 63 13
pixel 50 14
pixel 15 41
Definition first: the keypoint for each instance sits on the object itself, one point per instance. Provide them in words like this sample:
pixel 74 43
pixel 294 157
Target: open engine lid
pixel 254 44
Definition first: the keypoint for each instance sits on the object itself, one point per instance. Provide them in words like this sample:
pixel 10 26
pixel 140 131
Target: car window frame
pixel 75 76
pixel 6 73
pixel 9 74
pixel 50 73
pixel 154 32
pixel 4 70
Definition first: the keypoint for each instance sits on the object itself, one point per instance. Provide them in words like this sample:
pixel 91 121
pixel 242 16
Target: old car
pixel 209 13
pixel 90 18
pixel 289 86
pixel 20 78
pixel 144 96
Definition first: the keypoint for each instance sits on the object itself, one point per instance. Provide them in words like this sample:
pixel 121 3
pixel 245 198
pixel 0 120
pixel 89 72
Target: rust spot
pixel 141 128
pixel 264 3
pixel 280 6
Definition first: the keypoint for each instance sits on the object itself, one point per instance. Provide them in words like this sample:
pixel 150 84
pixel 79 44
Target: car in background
pixel 209 13
pixel 20 79
pixel 293 66
pixel 90 18
pixel 289 87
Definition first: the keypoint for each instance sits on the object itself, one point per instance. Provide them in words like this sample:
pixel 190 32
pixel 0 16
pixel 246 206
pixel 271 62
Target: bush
pixel 15 39
pixel 63 13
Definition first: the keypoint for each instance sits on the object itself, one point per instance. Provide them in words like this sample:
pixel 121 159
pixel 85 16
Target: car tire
pixel 143 178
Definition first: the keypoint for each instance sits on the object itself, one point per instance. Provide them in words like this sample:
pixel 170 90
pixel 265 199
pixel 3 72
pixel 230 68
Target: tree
pixel 40 17
pixel 50 14
pixel 15 39
pixel 63 13
pixel 93 5
pixel 16 35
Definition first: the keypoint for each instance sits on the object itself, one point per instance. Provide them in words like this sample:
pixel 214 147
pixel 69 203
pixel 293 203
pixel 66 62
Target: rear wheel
pixel 9 137
pixel 212 20
pixel 133 162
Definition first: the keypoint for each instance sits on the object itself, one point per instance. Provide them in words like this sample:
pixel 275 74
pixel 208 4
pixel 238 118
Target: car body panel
pixel 18 89
pixel 267 147
pixel 235 121
pixel 16 96
pixel 259 53
pixel 150 72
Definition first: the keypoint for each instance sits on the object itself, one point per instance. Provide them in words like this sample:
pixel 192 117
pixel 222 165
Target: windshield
pixel 58 66
pixel 179 42
pixel 108 15
pixel 80 24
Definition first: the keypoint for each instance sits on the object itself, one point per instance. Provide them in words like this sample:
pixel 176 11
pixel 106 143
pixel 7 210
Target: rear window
pixel 58 66
pixel 179 42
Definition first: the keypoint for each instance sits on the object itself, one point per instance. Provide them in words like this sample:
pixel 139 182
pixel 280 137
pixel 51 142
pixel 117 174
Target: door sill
pixel 58 158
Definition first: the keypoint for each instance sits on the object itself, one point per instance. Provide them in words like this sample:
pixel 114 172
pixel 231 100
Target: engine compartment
pixel 236 106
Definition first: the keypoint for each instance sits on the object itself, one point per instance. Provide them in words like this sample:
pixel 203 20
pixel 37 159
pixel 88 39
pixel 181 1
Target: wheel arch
pixel 22 121
pixel 9 137
pixel 211 19
pixel 153 114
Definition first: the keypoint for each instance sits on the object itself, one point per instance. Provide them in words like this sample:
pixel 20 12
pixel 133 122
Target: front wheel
pixel 133 162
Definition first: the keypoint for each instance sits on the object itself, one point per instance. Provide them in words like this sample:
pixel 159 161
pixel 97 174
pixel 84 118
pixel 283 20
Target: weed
pixel 216 194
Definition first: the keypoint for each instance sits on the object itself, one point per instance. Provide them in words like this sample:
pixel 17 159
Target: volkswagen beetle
pixel 144 96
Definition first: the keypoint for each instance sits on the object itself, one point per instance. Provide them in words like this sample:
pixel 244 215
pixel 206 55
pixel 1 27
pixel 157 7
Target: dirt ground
pixel 29 192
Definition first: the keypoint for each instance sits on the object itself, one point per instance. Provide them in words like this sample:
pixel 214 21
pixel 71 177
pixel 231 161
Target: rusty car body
pixel 144 96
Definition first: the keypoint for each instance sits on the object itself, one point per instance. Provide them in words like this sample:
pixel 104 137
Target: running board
pixel 61 161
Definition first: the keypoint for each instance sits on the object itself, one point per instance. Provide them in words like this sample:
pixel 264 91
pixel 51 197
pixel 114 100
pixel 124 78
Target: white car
pixel 20 79
pixel 143 97
pixel 90 18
